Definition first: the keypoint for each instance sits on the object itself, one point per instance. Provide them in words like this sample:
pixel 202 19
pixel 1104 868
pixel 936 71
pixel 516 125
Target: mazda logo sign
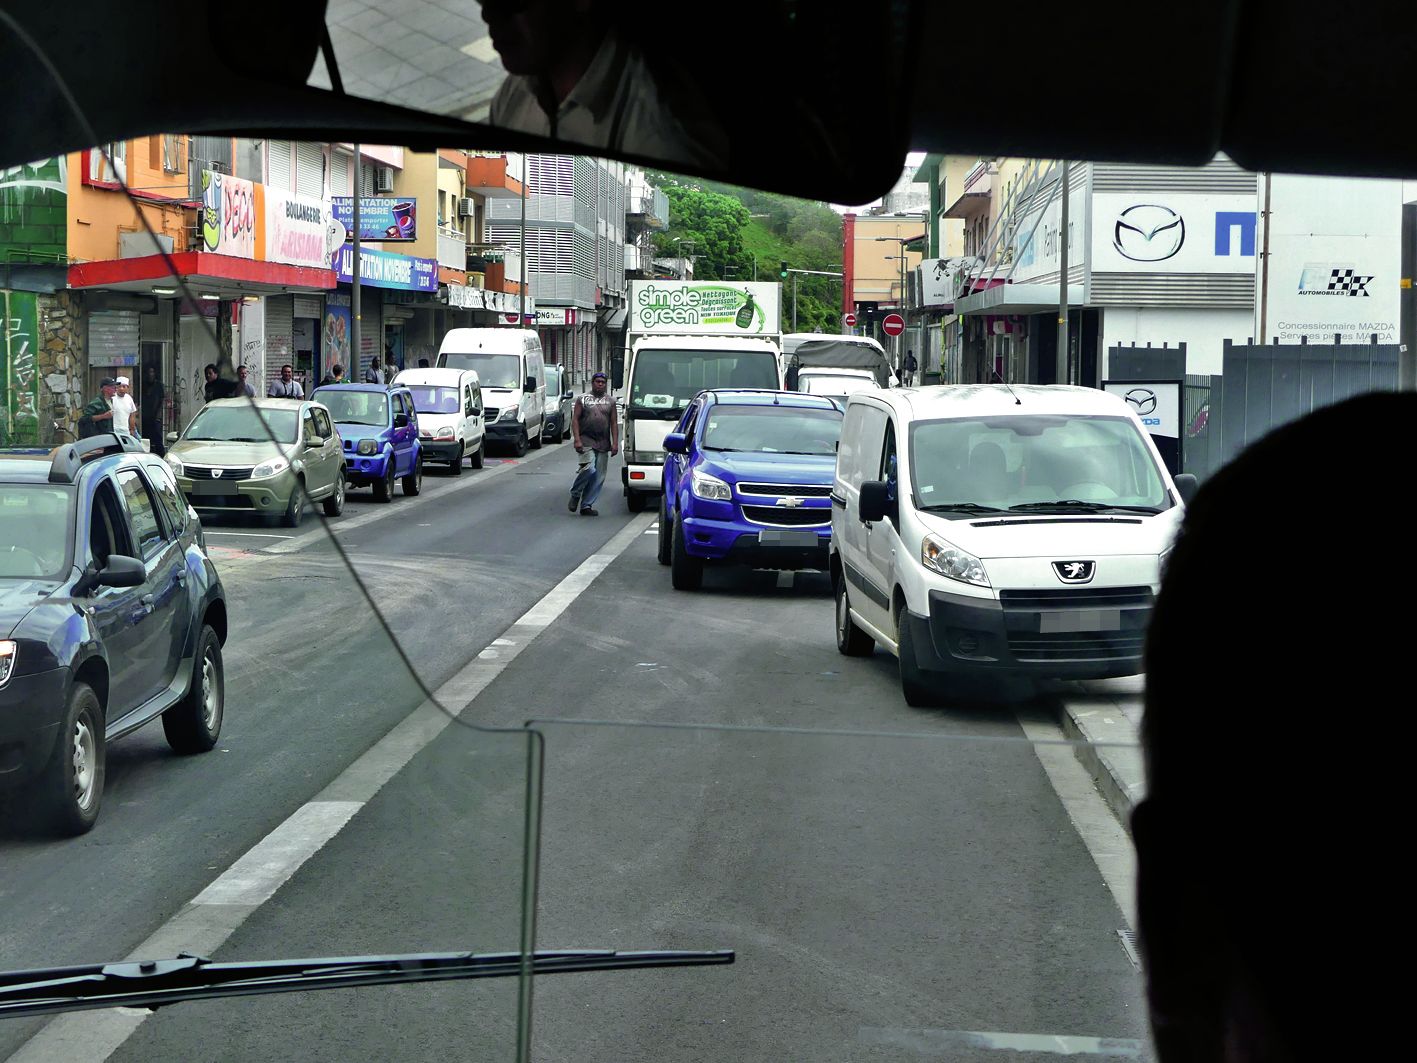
pixel 1075 571
pixel 1142 400
pixel 1148 232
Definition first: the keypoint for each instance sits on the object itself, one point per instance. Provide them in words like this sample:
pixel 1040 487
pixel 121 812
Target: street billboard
pixel 384 269
pixel 937 278
pixel 1167 232
pixel 381 218
pixel 705 308
pixel 1335 260
pixel 229 216
pixel 299 230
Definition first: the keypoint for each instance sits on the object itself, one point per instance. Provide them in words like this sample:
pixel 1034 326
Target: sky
pixel 915 158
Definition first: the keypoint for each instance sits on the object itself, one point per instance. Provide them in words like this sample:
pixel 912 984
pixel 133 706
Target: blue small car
pixel 748 479
pixel 378 427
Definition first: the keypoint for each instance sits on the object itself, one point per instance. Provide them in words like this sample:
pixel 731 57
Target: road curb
pixel 1106 745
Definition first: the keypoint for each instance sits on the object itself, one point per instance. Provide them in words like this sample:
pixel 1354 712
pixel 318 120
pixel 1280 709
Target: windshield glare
pixel 356 407
pixel 34 528
pixel 244 424
pixel 430 399
pixel 772 430
pixel 1010 461
pixel 493 370
pixel 667 380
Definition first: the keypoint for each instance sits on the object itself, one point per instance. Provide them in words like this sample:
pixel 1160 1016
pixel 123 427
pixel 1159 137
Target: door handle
pixel 181 576
pixel 148 600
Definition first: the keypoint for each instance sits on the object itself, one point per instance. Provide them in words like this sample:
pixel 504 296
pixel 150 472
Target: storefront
pixel 407 280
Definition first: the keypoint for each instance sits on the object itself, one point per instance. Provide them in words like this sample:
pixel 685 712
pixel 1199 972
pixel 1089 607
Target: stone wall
pixel 63 364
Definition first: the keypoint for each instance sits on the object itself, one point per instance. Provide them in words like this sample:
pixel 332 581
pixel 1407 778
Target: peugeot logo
pixel 790 502
pixel 1142 400
pixel 1148 232
pixel 216 474
pixel 1075 571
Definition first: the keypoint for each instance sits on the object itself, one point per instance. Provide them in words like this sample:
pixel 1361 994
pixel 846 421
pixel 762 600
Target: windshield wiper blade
pixel 1076 503
pixel 158 983
pixel 963 507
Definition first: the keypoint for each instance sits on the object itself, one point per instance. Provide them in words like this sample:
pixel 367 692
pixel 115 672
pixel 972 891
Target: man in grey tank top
pixel 596 436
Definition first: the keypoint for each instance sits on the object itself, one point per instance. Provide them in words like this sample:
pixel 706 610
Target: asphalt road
pixel 908 885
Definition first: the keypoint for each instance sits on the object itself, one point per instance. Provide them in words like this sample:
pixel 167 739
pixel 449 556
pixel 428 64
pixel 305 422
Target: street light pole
pixel 794 301
pixel 521 294
pixel 1064 359
pixel 354 308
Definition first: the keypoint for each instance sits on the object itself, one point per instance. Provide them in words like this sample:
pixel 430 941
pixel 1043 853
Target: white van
pixel 449 407
pixel 509 364
pixel 984 529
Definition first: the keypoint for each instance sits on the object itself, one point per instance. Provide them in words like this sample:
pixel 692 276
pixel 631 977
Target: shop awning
pixel 202 272
pixel 1016 299
pixel 615 317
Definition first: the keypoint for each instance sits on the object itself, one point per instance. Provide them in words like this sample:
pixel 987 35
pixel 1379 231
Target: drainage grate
pixel 1129 946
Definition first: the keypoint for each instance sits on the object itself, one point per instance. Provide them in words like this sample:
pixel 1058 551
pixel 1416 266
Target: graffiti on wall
pixel 19 373
pixel 34 211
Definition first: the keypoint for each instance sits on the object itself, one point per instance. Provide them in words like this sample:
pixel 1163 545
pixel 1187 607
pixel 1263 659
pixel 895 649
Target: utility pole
pixel 354 309
pixel 521 294
pixel 794 301
pixel 1064 358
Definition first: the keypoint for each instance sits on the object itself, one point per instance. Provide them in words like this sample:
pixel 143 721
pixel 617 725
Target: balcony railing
pixel 452 249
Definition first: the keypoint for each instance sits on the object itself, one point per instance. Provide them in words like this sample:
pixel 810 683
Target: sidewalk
pixel 1107 713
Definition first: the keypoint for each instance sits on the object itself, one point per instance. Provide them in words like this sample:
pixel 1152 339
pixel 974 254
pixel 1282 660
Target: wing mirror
pixel 529 384
pixel 876 502
pixel 676 443
pixel 121 571
pixel 1186 486
pixel 400 420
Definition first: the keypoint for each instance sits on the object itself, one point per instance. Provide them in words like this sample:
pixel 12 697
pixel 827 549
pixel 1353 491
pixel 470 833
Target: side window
pixel 849 445
pixel 888 469
pixel 108 528
pixel 477 398
pixel 142 512
pixel 862 441
pixel 310 432
pixel 323 425
pixel 468 402
pixel 169 498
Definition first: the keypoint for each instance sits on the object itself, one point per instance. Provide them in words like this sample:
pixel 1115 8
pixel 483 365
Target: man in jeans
pixel 596 436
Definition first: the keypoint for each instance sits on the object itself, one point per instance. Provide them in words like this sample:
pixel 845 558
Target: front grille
pixel 1078 598
pixel 207 472
pixel 1076 645
pixel 775 490
pixel 782 516
pixel 490 414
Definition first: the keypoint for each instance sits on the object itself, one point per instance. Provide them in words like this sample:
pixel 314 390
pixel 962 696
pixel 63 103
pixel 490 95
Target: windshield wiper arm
pixel 963 507
pixel 157 983
pixel 1076 503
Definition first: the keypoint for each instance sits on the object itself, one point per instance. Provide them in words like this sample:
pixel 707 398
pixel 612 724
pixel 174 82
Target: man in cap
pixel 597 436
pixel 125 409
pixel 97 415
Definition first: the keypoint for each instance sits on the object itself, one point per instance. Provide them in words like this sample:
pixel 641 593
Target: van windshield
pixel 664 381
pixel 493 370
pixel 1030 462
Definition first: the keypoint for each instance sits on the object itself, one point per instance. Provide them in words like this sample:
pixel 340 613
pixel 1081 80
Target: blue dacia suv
pixel 111 615
pixel 748 479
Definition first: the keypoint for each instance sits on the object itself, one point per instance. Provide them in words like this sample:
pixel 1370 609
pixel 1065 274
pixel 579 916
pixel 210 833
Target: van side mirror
pixel 530 384
pixel 676 443
pixel 1186 486
pixel 400 420
pixel 876 502
pixel 121 571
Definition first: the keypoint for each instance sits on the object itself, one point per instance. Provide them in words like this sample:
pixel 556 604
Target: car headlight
pixel 1163 558
pixel 511 413
pixel 269 468
pixel 8 653
pixel 175 464
pixel 709 488
pixel 952 562
pixel 368 446
pixel 446 432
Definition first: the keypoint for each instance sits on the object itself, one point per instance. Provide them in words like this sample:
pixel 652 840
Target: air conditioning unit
pixel 383 179
pixel 467 208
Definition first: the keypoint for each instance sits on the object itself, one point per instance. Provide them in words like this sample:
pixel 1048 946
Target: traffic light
pixel 782 273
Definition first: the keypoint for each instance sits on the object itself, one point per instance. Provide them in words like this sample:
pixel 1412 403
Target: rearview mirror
pixel 875 502
pixel 400 420
pixel 568 394
pixel 676 443
pixel 530 384
pixel 1186 486
pixel 121 571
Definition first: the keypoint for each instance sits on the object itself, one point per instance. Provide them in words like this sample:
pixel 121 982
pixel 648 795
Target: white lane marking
pixel 931 1042
pixel 400 506
pixel 211 917
pixel 1106 840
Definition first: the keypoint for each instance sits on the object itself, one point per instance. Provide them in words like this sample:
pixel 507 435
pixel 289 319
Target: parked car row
pixel 992 530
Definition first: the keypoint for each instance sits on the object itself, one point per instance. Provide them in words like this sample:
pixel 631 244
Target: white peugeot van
pixel 449 406
pixel 509 364
pixel 987 529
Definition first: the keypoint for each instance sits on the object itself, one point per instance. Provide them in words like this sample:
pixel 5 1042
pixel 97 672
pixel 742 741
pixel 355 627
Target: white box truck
pixel 684 337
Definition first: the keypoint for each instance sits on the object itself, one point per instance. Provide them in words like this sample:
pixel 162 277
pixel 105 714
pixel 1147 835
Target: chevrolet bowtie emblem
pixel 791 502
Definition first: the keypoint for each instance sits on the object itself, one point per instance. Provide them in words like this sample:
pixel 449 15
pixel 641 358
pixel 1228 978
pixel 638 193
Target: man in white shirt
pixel 125 409
pixel 287 387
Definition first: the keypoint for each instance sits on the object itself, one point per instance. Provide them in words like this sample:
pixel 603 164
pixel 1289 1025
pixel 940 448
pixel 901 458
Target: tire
pixel 557 436
pixel 666 545
pixel 685 573
pixel 636 502
pixel 193 725
pixel 914 683
pixel 851 641
pixel 520 446
pixel 295 509
pixel 384 489
pixel 70 786
pixel 334 505
pixel 537 440
pixel 413 482
pixel 479 456
pixel 455 466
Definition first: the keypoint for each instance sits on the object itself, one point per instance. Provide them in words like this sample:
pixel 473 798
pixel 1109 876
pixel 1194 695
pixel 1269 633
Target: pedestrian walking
pixel 910 365
pixel 125 409
pixel 334 376
pixel 287 387
pixel 246 387
pixel 153 404
pixel 596 436
pixel 96 418
pixel 374 374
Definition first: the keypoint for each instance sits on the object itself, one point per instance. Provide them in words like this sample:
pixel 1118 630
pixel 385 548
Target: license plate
pixel 788 537
pixel 214 487
pixel 1080 620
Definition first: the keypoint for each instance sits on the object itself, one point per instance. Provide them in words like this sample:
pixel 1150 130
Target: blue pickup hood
pixel 797 469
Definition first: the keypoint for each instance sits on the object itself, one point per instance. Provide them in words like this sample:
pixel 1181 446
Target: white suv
pixel 981 529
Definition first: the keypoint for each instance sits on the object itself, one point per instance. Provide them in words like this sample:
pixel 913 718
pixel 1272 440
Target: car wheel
pixel 71 784
pixel 455 466
pixel 520 447
pixel 850 639
pixel 413 482
pixel 295 509
pixel 479 456
pixel 334 505
pixel 537 440
pixel 558 435
pixel 914 682
pixel 666 545
pixel 384 487
pixel 193 725
pixel 635 501
pixel 685 573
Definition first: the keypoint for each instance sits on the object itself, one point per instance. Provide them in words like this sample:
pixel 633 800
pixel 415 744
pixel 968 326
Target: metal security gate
pixel 280 329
